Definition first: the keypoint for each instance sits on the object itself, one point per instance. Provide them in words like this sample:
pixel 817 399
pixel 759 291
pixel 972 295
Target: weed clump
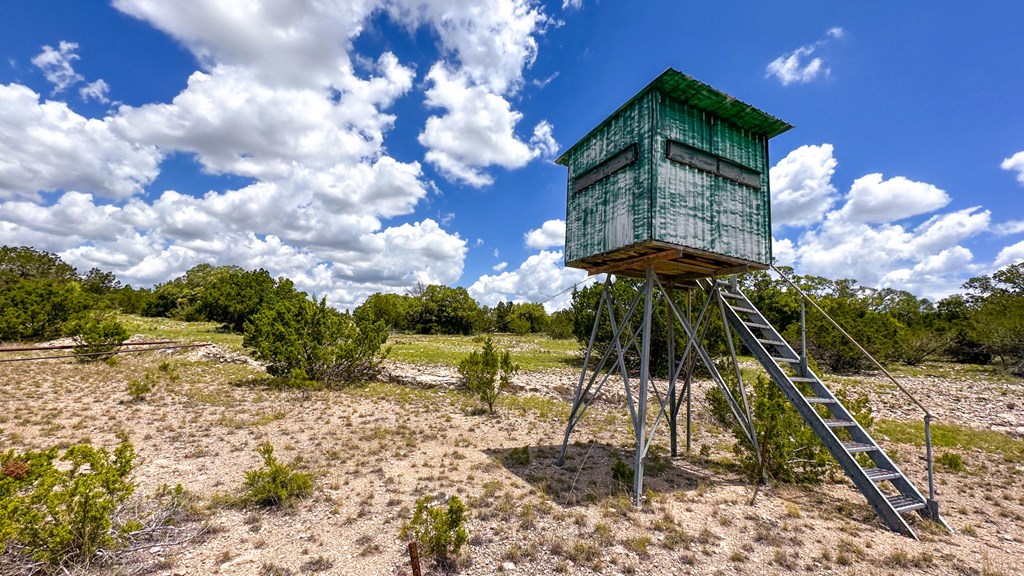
pixel 439 529
pixel 138 388
pixel 276 484
pixel 952 461
pixel 622 472
pixel 519 456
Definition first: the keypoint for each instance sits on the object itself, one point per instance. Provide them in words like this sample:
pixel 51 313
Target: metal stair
pixel 886 488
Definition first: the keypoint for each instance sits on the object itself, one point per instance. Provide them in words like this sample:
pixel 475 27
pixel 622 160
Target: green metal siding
pixel 696 209
pixel 614 212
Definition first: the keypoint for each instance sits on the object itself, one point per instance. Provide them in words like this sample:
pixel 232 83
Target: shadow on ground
pixel 596 473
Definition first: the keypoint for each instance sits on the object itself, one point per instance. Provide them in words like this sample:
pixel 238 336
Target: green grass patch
pixel 544 408
pixel 530 352
pixel 993 374
pixel 403 395
pixel 254 421
pixel 168 329
pixel 953 436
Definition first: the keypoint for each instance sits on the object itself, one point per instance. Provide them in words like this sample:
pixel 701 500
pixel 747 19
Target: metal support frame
pixel 638 387
pixel 818 407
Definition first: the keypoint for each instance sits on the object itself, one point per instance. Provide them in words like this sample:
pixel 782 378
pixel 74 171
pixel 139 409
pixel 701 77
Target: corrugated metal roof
pixel 699 95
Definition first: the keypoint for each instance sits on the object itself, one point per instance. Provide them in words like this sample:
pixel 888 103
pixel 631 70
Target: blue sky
pixel 358 147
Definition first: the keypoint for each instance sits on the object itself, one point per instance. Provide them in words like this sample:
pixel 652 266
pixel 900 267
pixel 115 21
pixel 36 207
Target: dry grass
pixel 375 449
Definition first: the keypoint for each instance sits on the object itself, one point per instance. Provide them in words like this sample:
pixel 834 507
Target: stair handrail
pixel 808 298
pixel 933 505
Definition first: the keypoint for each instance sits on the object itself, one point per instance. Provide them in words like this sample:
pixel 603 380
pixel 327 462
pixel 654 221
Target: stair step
pixel 730 294
pixel 758 325
pixel 902 503
pixel 881 474
pixel 786 360
pixel 852 447
pixel 838 423
pixel 817 400
pixel 744 310
pixel 771 342
pixel 802 379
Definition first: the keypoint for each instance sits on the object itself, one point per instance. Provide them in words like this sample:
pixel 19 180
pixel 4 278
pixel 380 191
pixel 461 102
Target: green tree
pixel 181 298
pixel 302 339
pixel 446 310
pixel 997 315
pixel 235 295
pixel 560 325
pixel 97 336
pixel 19 263
pixel 100 283
pixel 398 312
pixel 528 318
pixel 38 309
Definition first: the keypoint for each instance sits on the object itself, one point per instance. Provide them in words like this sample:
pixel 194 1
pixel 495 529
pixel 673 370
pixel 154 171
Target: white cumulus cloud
pixel 802 66
pixel 477 129
pixel 1011 254
pixel 56 65
pixel 550 234
pixel 539 279
pixel 1009 227
pixel 872 236
pixel 47 146
pixel 1015 162
pixel 97 91
pixel 873 199
pixel 801 186
pixel 797 67
pixel 282 98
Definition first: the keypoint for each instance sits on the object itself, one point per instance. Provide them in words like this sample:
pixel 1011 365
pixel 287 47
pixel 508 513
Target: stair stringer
pixel 847 461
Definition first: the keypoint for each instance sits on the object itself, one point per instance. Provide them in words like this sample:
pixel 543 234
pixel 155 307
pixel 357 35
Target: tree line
pixel 42 297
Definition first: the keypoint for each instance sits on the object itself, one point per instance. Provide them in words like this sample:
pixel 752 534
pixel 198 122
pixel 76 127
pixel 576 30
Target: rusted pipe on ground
pixel 112 352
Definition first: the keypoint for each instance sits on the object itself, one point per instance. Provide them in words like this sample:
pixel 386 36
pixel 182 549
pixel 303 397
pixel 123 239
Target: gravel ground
pixel 376 449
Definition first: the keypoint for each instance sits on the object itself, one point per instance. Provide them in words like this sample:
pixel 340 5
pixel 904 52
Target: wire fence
pixel 124 348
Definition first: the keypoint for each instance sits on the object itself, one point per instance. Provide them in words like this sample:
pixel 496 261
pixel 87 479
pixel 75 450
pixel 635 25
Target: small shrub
pixel 139 387
pixel 486 372
pixel 952 461
pixel 622 472
pixel 439 529
pixel 97 337
pixel 59 508
pixel 318 564
pixel 519 456
pixel 276 484
pixel 790 451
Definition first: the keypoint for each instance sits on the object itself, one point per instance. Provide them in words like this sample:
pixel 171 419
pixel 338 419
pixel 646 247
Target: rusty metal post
pixel 414 558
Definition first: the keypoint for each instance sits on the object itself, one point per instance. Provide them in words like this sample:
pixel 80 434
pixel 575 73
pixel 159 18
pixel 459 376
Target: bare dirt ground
pixel 376 449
